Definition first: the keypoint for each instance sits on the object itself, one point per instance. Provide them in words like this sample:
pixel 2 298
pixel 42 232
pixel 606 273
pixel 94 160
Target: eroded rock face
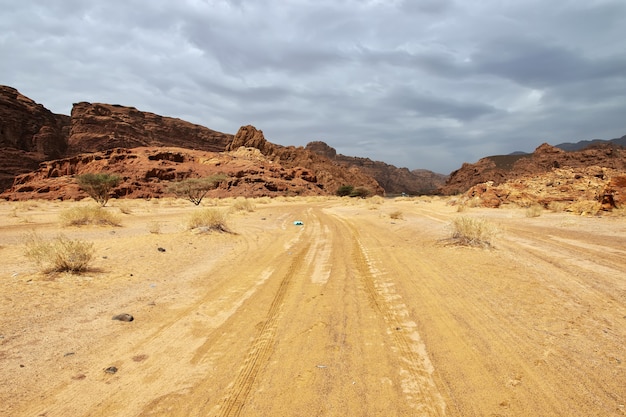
pixel 503 168
pixel 614 193
pixel 97 126
pixel 392 179
pixel 587 189
pixel 147 173
pixel 250 137
pixel 29 134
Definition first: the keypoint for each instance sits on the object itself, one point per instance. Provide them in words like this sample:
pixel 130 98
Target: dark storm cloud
pixel 416 83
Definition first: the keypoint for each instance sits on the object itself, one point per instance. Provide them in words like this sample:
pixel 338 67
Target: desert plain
pixel 366 309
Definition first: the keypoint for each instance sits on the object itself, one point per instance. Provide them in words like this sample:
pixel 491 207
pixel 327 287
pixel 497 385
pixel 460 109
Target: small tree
pixel 345 190
pixel 98 186
pixel 194 189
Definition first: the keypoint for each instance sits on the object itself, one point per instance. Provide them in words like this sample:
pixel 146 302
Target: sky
pixel 426 84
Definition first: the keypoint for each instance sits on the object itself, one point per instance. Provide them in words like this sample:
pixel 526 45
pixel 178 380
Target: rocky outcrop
pixel 29 134
pixel 333 175
pixel 250 137
pixel 147 172
pixel 392 179
pixel 500 169
pixel 97 127
pixel 614 193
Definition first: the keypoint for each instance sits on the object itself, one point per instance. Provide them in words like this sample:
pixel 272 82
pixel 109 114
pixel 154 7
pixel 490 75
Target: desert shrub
pixel 60 254
pixel 344 190
pixel 84 215
pixel 396 215
pixel 263 200
pixel 125 208
pixel 154 227
pixel 208 220
pixel 472 231
pixel 376 200
pixel 243 205
pixel 194 189
pixel 360 192
pixel 98 186
pixel 534 211
pixel 557 206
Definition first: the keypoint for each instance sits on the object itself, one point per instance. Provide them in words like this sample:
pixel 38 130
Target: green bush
pixel 98 186
pixel 345 190
pixel 360 192
pixel 60 254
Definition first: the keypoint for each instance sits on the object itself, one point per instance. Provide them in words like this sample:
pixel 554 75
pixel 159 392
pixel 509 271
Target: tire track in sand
pixel 259 352
pixel 418 384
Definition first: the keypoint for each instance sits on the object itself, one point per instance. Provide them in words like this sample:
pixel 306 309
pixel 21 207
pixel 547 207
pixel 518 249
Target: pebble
pixel 123 317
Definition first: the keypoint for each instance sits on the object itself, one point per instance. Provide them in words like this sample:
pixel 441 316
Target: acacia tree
pixel 194 189
pixel 98 185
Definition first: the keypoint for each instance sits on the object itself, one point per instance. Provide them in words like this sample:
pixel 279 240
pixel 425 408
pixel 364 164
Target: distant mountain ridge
pixel 582 144
pixel 577 146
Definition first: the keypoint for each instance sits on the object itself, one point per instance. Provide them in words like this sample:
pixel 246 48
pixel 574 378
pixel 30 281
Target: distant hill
pixel 569 146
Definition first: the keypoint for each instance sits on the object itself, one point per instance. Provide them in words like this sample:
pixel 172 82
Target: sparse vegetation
pixel 154 227
pixel 557 206
pixel 360 192
pixel 85 215
pixel 534 211
pixel 345 190
pixel 206 220
pixel 60 254
pixel 194 189
pixel 396 215
pixel 243 204
pixel 98 186
pixel 472 231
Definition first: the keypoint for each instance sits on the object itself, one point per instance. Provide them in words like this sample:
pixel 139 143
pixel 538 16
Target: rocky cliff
pixel 97 127
pixel 29 134
pixel 394 180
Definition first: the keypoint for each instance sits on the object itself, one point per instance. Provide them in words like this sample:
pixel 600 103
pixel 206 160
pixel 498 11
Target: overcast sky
pixel 415 83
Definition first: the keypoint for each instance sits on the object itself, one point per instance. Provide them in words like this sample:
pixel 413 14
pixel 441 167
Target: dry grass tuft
pixel 534 211
pixel 470 231
pixel 243 205
pixel 60 254
pixel 85 215
pixel 154 227
pixel 557 206
pixel 207 220
pixel 396 215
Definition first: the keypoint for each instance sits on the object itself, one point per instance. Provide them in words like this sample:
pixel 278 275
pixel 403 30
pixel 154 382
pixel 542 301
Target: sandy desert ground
pixel 354 313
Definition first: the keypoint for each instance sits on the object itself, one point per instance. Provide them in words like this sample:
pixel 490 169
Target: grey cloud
pixel 418 83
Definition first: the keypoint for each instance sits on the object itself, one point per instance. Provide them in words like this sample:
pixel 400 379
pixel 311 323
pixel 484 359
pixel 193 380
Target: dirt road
pixel 352 314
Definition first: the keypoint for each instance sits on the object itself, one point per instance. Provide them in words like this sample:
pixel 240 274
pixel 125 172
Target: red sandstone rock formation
pixel 97 127
pixel 503 168
pixel 394 180
pixel 146 173
pixel 29 134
